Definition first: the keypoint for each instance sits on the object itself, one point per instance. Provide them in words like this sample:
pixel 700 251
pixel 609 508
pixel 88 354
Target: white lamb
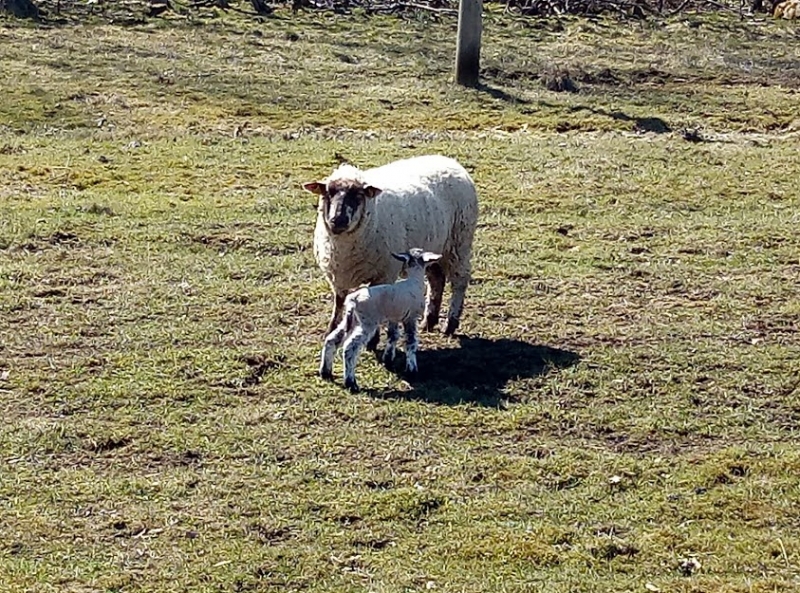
pixel 366 309
pixel 365 216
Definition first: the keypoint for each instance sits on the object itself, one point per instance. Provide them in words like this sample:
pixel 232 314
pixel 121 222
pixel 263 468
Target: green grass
pixel 625 394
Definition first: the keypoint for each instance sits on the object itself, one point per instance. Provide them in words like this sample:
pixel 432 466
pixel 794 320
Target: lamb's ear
pixel 429 257
pixel 403 257
pixel 315 187
pixel 371 191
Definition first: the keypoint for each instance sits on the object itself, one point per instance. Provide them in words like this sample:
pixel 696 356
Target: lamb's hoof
pixel 351 385
pixel 411 376
pixel 326 374
pixel 412 370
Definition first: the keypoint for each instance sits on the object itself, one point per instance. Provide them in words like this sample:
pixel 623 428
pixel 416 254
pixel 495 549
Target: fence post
pixel 468 45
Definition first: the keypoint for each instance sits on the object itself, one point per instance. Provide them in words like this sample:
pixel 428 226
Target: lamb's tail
pixel 349 316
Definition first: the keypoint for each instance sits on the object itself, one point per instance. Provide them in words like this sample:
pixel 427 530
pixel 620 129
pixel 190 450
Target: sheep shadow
pixel 476 371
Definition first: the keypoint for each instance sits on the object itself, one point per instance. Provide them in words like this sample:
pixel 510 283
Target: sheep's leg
pixel 458 285
pixel 338 307
pixel 433 304
pixel 412 344
pixel 352 348
pixel 332 344
pixel 393 334
pixel 372 344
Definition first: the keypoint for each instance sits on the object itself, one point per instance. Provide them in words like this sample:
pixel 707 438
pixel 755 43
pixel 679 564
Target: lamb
pixel 365 216
pixel 366 309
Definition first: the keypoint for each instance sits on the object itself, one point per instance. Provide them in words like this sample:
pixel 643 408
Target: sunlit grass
pixel 620 414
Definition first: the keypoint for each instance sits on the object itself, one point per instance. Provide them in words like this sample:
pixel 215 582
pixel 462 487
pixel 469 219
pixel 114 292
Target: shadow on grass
pixel 497 93
pixel 476 371
pixel 640 124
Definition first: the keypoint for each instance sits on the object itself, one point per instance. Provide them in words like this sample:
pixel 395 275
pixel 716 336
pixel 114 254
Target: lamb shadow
pixel 477 371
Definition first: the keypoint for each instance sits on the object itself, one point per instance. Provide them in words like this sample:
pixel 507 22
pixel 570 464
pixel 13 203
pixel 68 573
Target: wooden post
pixel 468 46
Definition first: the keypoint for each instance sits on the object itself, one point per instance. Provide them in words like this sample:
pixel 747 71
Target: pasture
pixel 619 413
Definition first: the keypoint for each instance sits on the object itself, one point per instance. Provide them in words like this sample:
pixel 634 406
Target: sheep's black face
pixel 343 206
pixel 342 202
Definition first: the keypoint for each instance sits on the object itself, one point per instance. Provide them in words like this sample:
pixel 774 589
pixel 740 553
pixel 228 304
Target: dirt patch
pixel 50 293
pixel 501 74
pixel 611 550
pixel 772 326
pixel 105 445
pixel 220 241
pixel 187 458
pixel 601 76
pixel 559 81
pixel 56 239
pixel 269 534
pixel 223 241
pixel 258 365
pixel 776 75
pixel 372 543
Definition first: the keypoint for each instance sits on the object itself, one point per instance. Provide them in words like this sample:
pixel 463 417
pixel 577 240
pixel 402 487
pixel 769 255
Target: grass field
pixel 620 412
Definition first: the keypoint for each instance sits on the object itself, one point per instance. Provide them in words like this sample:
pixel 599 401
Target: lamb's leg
pixel 332 344
pixel 433 304
pixel 458 284
pixel 375 338
pixel 393 334
pixel 412 343
pixel 338 307
pixel 352 348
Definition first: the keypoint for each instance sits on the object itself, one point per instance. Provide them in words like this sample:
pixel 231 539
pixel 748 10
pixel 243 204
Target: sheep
pixel 364 216
pixel 788 10
pixel 366 309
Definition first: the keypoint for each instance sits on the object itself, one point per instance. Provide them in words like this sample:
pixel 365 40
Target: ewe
pixel 365 216
pixel 366 309
pixel 788 10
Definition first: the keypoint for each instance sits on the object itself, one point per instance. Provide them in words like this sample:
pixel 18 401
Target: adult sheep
pixel 363 217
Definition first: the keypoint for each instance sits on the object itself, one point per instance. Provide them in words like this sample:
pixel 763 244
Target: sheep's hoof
pixel 326 374
pixel 388 356
pixel 429 323
pixel 373 341
pixel 452 326
pixel 351 385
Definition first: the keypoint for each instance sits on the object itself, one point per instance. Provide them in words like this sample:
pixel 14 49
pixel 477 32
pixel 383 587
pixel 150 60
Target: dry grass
pixel 621 410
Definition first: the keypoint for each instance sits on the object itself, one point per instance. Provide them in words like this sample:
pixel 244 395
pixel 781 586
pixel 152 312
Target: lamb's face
pixel 416 258
pixel 342 203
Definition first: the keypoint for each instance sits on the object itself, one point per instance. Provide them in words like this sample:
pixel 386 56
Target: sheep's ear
pixel 429 257
pixel 403 257
pixel 315 187
pixel 371 191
